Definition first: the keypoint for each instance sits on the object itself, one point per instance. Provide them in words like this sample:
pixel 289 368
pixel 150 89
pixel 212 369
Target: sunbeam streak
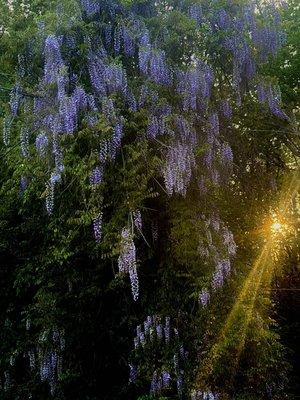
pixel 233 335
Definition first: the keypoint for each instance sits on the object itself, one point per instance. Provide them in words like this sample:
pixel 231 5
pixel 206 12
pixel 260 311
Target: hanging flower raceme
pixel 177 171
pixel 156 331
pixel 271 96
pixel 97 227
pixel 127 261
pixel 53 59
pixel 15 99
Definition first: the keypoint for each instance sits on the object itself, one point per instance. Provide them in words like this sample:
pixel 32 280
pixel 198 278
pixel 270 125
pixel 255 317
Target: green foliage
pixel 53 272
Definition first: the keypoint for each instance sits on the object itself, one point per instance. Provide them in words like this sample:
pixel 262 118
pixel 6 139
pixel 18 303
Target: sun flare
pixel 277 227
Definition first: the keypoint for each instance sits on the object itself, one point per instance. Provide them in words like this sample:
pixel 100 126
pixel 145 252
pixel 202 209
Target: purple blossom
pixel 127 261
pixel 155 384
pixel 24 140
pixel 7 122
pixel 131 101
pixel 23 183
pixel 226 109
pixel 97 227
pixel 226 155
pixel 61 85
pixel 108 35
pixel 144 58
pixel 90 7
pixel 143 96
pixel 15 98
pixel 53 59
pixel 229 241
pixel 41 143
pixel 80 99
pixel 159 331
pixel 158 69
pixel 132 373
pixel 68 114
pixel 144 39
pixel 204 297
pixel 217 278
pixel 96 176
pixel 166 379
pixel 116 139
pixel 177 171
pixel 153 127
pixel 195 12
pixel 128 43
pixel 137 219
pixel 117 39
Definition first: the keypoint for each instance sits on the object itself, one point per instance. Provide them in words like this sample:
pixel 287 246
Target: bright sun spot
pixel 276 227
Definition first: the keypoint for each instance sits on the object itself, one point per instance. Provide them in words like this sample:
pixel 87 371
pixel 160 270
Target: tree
pixel 109 128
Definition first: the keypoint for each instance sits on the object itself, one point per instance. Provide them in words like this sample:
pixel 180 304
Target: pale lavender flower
pixel 177 171
pixel 41 143
pixel 132 373
pixel 226 108
pixel 96 176
pixel 226 155
pixel 53 59
pixel 15 98
pixel 195 12
pixel 7 122
pixel 166 379
pixel 97 227
pixel 127 261
pixel 159 331
pixel 137 219
pixel 24 139
pixel 204 297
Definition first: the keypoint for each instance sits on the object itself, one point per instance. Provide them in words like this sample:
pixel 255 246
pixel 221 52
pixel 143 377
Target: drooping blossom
pixel 127 261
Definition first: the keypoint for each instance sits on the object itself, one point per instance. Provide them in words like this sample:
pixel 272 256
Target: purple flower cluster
pixel 195 12
pixel 268 40
pixel 226 155
pixel 270 95
pixel 90 7
pixel 225 108
pixel 194 85
pixel 47 356
pixel 177 171
pixel 137 219
pixel 50 188
pixel 7 122
pixel 154 328
pixel 204 297
pixel 53 59
pixel 221 272
pixel 153 63
pixel 132 373
pixel 106 78
pixel 24 140
pixel 186 133
pixel 160 382
pixel 156 332
pixel 96 176
pixel 41 144
pixel 203 395
pixel 127 261
pixel 97 227
pixel 219 248
pixel 15 99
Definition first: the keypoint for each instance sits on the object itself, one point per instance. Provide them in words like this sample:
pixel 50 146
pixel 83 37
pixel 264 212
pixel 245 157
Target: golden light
pixel 277 227
pixel 232 336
